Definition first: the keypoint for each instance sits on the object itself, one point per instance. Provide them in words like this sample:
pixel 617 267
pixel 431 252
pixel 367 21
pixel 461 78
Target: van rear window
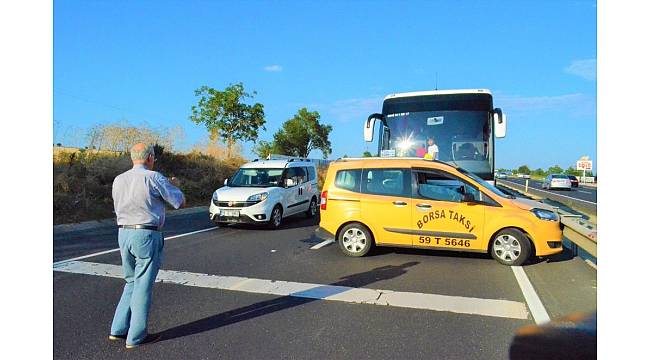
pixel 348 179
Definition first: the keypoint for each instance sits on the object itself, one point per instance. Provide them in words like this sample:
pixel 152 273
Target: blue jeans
pixel 141 252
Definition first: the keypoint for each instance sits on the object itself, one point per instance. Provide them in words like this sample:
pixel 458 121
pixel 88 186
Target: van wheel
pixel 510 247
pixel 355 240
pixel 313 208
pixel 276 217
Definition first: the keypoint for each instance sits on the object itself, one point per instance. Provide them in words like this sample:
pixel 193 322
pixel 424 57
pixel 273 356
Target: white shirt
pixel 433 151
pixel 139 195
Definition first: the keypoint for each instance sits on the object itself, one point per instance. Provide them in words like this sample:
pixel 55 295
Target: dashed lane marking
pixel 118 249
pixel 322 244
pixel 455 304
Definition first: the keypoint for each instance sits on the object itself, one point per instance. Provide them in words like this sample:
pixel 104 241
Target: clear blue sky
pixel 141 61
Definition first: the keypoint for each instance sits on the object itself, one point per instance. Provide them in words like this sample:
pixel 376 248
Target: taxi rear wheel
pixel 511 247
pixel 355 240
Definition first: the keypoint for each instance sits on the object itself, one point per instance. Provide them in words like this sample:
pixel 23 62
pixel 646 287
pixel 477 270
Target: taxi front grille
pixel 235 204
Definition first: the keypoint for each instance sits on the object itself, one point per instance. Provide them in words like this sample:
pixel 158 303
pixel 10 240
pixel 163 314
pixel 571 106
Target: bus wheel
pixel 510 247
pixel 355 240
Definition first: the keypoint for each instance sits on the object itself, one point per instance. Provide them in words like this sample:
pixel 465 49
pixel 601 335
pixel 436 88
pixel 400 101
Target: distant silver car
pixel 557 181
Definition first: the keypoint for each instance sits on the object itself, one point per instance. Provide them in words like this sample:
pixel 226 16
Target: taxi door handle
pixel 399 203
pixel 423 206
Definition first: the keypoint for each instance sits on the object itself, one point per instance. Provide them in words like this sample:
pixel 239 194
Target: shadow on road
pixel 285 302
pixel 291 222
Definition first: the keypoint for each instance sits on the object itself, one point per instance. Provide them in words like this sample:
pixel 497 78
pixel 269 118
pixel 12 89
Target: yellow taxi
pixel 412 202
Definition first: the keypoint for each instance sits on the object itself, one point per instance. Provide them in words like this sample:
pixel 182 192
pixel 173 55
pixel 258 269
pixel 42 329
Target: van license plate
pixel 229 213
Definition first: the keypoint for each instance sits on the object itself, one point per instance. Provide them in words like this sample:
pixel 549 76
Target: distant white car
pixel 523 176
pixel 501 175
pixel 557 181
pixel 265 192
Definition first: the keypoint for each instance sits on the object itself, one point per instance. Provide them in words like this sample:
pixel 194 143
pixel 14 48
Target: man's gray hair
pixel 142 154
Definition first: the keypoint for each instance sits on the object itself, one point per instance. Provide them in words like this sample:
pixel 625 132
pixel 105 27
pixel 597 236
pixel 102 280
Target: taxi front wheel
pixel 510 247
pixel 355 240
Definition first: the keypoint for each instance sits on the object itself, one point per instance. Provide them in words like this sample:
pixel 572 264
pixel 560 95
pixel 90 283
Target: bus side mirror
pixel 369 127
pixel 499 123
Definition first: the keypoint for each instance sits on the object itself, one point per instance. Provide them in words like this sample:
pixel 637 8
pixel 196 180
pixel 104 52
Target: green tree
pixel 523 169
pixel 539 172
pixel 571 171
pixel 302 134
pixel 367 154
pixel 224 113
pixel 264 148
pixel 556 169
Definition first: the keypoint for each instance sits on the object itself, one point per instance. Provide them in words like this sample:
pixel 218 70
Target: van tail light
pixel 323 200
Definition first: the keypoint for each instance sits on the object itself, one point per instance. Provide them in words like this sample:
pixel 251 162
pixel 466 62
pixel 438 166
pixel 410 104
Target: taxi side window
pixel 393 182
pixel 439 186
pixel 348 179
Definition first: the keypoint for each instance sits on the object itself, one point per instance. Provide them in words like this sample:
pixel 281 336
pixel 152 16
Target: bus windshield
pixel 491 187
pixel 461 137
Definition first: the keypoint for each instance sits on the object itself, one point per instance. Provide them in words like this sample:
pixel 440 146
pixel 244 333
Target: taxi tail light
pixel 323 200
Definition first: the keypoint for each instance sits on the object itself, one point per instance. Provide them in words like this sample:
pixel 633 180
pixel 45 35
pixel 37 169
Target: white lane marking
pixel 454 304
pixel 584 192
pixel 568 197
pixel 118 249
pixel 534 303
pixel 321 244
pixel 591 263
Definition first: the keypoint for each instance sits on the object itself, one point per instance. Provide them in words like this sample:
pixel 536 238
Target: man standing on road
pixel 138 196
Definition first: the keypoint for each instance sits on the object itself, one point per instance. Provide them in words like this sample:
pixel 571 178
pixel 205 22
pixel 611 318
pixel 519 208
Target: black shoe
pixel 116 337
pixel 149 339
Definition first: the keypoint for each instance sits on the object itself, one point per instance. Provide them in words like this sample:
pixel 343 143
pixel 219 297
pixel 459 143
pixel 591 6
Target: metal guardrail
pixel 581 233
pixel 587 207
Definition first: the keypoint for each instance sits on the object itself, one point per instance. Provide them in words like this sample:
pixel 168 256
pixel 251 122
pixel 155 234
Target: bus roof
pixel 438 92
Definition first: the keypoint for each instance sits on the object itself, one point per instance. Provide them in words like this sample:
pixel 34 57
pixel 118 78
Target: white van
pixel 266 191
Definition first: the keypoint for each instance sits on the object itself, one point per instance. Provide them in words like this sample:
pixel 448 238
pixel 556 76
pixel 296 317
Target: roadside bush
pixel 83 180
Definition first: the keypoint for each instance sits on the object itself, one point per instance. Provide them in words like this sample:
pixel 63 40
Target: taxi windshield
pixel 251 177
pixel 491 187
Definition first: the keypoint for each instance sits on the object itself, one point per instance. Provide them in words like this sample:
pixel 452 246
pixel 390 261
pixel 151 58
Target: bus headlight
pixel 545 214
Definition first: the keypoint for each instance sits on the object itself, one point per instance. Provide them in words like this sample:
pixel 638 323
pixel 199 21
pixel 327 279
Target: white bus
pixel 460 124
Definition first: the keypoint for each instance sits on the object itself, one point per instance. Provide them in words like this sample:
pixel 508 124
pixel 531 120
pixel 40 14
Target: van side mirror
pixel 499 123
pixel 225 182
pixel 289 182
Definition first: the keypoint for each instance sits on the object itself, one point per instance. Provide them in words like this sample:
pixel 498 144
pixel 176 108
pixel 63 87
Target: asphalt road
pixel 581 192
pixel 202 315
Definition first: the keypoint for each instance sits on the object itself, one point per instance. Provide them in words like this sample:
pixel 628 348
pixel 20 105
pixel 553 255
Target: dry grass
pixel 83 180
pixel 322 173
